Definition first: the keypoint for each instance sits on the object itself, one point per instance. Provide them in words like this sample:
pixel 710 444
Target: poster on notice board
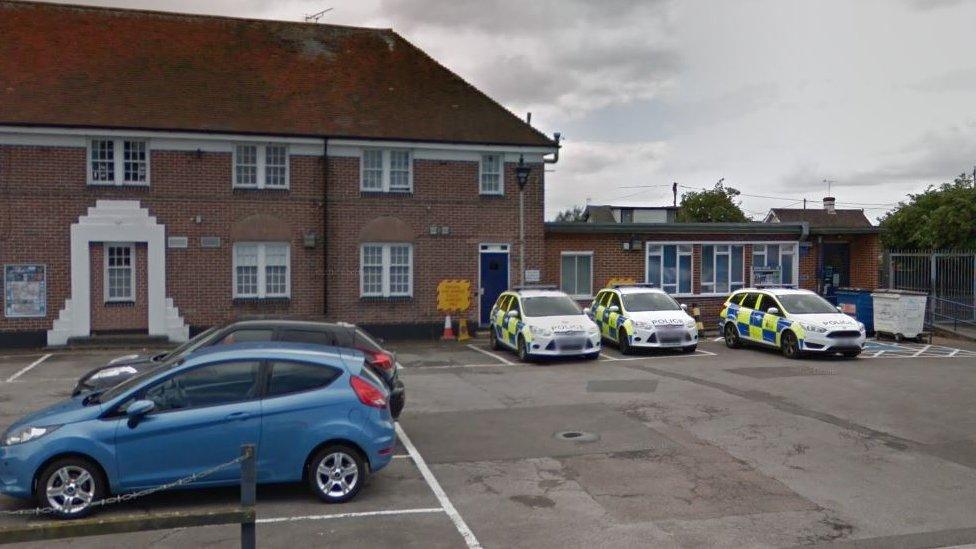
pixel 24 291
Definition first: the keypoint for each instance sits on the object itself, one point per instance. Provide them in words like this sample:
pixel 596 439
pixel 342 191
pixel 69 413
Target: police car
pixel 795 321
pixel 641 316
pixel 542 322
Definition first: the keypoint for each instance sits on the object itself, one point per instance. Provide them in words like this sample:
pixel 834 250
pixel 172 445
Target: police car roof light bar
pixel 635 285
pixel 536 287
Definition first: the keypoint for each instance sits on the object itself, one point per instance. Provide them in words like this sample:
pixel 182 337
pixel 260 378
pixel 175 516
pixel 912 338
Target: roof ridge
pixel 180 14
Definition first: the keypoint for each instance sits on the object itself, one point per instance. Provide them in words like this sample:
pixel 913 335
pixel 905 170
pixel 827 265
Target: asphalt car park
pixel 723 447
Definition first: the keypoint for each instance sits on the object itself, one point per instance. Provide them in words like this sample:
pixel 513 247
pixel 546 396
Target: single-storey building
pixel 161 173
pixel 700 263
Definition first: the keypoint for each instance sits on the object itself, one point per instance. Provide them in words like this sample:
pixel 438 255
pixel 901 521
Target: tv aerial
pixel 314 17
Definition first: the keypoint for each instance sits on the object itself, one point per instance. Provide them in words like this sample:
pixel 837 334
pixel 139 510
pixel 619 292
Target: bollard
pixel 248 495
pixel 463 334
pixel 696 314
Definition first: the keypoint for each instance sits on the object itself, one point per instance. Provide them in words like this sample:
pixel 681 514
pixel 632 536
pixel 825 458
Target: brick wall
pixel 118 317
pixel 44 191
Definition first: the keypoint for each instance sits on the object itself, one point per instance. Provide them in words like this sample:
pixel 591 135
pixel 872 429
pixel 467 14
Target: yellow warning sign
pixel 454 296
pixel 620 280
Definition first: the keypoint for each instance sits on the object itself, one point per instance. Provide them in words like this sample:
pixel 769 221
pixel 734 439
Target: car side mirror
pixel 139 408
pixel 773 311
pixel 512 314
pixel 839 308
pixel 613 309
pixel 684 307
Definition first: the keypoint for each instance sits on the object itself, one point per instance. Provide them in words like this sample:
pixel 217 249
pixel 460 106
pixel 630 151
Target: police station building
pixel 161 173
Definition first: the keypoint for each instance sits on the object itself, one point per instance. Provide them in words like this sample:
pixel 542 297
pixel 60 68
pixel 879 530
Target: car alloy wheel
pixel 623 343
pixel 523 350
pixel 337 474
pixel 731 337
pixel 493 339
pixel 791 346
pixel 69 487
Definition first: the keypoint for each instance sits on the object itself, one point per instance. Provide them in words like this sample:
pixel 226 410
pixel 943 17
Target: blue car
pixel 314 413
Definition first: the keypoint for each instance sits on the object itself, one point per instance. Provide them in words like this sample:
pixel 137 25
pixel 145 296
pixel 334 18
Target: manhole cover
pixel 577 436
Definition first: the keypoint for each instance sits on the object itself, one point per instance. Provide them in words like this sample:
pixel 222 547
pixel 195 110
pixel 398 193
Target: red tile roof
pixel 818 218
pixel 84 66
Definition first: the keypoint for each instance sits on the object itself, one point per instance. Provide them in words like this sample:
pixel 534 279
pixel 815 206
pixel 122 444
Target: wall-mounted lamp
pixel 310 239
pixel 522 171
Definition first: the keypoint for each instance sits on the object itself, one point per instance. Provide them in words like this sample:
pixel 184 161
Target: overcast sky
pixel 775 96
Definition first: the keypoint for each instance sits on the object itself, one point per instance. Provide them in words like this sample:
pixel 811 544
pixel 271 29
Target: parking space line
pixel 27 368
pixel 435 487
pixel 492 355
pixel 274 520
pixel 922 350
pixel 448 366
pixel 954 352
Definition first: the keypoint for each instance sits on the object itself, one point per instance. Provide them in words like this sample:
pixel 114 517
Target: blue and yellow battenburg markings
pixel 611 323
pixel 508 329
pixel 760 326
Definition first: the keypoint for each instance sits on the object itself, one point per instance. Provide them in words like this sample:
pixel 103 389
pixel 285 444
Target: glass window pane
pixel 684 274
pixel 654 269
pixel 568 274
pixel 772 255
pixel 207 386
pixel 275 166
pixel 102 160
pixel 708 267
pixel 583 275
pixel 670 265
pixel 246 165
pixel 758 255
pixel 736 276
pixel 787 270
pixel 134 161
pixel 722 273
pixel 294 377
pixel 399 170
pixel 372 170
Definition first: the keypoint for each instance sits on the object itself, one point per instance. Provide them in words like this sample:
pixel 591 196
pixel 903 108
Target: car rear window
pixel 242 336
pixel 749 302
pixel 315 337
pixel 294 377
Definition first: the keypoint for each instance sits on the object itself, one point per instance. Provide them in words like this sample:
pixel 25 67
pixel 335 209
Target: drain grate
pixel 577 436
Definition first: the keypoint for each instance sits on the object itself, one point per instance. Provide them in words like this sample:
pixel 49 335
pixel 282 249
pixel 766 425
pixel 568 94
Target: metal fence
pixel 947 276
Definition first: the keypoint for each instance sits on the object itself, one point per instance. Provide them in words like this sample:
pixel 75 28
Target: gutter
pixel 798 229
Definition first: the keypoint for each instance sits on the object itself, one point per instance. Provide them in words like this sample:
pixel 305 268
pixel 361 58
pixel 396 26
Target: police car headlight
pixel 860 327
pixel 813 328
pixel 540 331
pixel 690 323
pixel 593 330
pixel 644 325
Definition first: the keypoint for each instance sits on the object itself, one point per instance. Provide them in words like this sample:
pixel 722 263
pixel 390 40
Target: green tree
pixel 939 217
pixel 711 205
pixel 572 215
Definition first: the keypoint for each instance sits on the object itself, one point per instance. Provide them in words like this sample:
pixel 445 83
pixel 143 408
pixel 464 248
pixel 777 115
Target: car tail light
pixel 379 359
pixel 368 393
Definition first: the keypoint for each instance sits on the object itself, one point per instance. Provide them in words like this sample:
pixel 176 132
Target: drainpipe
pixel 325 226
pixel 557 137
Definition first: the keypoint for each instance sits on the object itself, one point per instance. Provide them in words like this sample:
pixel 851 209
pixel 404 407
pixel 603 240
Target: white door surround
pixel 117 221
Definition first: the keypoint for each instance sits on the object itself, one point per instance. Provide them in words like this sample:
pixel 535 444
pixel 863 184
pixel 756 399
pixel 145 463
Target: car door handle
pixel 238 415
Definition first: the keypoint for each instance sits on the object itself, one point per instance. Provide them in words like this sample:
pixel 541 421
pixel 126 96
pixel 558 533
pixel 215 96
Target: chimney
pixel 829 204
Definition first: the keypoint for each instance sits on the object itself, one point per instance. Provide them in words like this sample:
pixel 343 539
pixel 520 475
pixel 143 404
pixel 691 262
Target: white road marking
pixel 954 352
pixel 435 486
pixel 719 339
pixel 27 368
pixel 274 520
pixel 446 366
pixel 492 355
pixel 922 350
pixel 402 456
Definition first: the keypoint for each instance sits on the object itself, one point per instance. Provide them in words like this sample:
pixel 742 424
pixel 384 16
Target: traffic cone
pixel 448 330
pixel 463 334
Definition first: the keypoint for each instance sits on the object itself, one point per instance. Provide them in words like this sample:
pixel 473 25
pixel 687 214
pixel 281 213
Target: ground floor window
pixel 386 270
pixel 262 269
pixel 576 274
pixel 669 267
pixel 120 272
pixel 722 268
pixel 773 264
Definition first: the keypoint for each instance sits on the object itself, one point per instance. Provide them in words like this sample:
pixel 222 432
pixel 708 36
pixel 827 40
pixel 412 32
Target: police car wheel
pixel 592 356
pixel 493 339
pixel 791 346
pixel 624 345
pixel 851 354
pixel 732 337
pixel 689 349
pixel 523 350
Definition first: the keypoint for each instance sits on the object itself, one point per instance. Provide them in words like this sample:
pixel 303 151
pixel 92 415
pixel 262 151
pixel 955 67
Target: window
pixel 120 272
pixel 245 336
pixel 491 178
pixel 118 162
pixel 386 270
pixel 294 377
pixel 261 270
pixel 260 166
pixel 722 268
pixel 386 170
pixel 576 273
pixel 627 216
pixel 669 267
pixel 750 301
pixel 775 256
pixel 209 385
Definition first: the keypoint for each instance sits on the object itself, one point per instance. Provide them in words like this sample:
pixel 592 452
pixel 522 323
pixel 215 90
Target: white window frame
pixel 261 180
pixel 387 164
pixel 577 254
pixel 678 255
pixel 501 174
pixel 715 254
pixel 262 265
pixel 133 262
pixel 794 250
pixel 386 266
pixel 118 160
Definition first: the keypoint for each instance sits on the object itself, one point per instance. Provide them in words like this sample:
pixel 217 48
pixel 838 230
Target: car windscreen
pixel 135 380
pixel 805 304
pixel 549 305
pixel 649 301
pixel 200 340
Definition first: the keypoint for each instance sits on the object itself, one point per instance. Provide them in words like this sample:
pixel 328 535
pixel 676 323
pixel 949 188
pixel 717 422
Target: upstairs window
pixel 260 166
pixel 118 162
pixel 261 270
pixel 491 179
pixel 386 171
pixel 386 270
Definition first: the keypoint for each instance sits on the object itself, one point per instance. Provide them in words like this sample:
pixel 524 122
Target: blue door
pixel 494 280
